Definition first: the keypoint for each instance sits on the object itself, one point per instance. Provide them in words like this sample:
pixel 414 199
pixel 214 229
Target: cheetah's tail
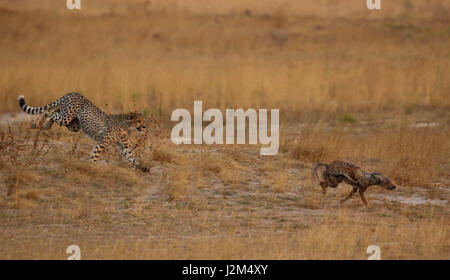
pixel 36 110
pixel 314 169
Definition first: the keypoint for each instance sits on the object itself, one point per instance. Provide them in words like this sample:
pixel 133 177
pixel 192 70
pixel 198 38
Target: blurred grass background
pixel 299 56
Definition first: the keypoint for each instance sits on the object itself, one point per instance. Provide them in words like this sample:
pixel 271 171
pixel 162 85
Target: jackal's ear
pixel 377 176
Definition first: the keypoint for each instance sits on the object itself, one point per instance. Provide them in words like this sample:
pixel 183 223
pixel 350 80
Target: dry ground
pixel 223 202
pixel 373 89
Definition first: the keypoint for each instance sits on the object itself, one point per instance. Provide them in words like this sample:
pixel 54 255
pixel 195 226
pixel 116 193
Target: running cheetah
pixel 126 121
pixel 76 112
pixel 339 171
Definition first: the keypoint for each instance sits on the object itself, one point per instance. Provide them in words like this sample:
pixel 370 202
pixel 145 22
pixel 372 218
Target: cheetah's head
pixel 383 181
pixel 137 121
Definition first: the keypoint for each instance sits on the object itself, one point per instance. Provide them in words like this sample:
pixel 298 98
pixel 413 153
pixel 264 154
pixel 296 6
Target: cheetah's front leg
pixel 126 152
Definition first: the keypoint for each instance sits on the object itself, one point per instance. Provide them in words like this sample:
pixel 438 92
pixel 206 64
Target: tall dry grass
pixel 410 156
pixel 164 60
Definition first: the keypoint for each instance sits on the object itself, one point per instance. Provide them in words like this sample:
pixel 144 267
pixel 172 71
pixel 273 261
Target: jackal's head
pixel 381 180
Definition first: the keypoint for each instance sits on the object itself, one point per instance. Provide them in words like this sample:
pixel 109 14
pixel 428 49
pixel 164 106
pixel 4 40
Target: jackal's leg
pixel 349 195
pixel 361 194
pixel 330 182
pixel 324 187
pixel 347 179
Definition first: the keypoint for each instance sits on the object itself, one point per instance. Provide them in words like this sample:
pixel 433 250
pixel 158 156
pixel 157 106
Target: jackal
pixel 339 171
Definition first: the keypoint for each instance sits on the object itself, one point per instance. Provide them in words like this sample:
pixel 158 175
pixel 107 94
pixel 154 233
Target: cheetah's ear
pixel 132 115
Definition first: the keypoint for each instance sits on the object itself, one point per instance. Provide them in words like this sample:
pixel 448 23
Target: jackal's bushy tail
pixel 36 110
pixel 314 169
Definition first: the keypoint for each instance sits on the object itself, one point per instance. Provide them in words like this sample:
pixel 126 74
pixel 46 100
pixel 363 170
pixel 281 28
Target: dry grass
pixel 342 235
pixel 194 208
pixel 167 60
pixel 276 178
pixel 370 87
pixel 178 184
pixel 412 156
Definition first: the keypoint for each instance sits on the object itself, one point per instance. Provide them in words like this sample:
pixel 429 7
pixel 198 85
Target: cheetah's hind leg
pixel 97 151
pixel 44 122
pixel 60 117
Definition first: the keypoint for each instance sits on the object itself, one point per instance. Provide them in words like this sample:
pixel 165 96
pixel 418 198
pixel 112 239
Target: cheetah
pixel 126 121
pixel 339 171
pixel 76 112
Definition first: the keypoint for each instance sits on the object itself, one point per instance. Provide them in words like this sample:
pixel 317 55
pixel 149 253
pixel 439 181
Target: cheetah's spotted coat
pixel 76 112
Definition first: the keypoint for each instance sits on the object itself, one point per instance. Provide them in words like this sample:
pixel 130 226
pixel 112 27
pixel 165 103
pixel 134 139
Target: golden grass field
pixel 372 87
